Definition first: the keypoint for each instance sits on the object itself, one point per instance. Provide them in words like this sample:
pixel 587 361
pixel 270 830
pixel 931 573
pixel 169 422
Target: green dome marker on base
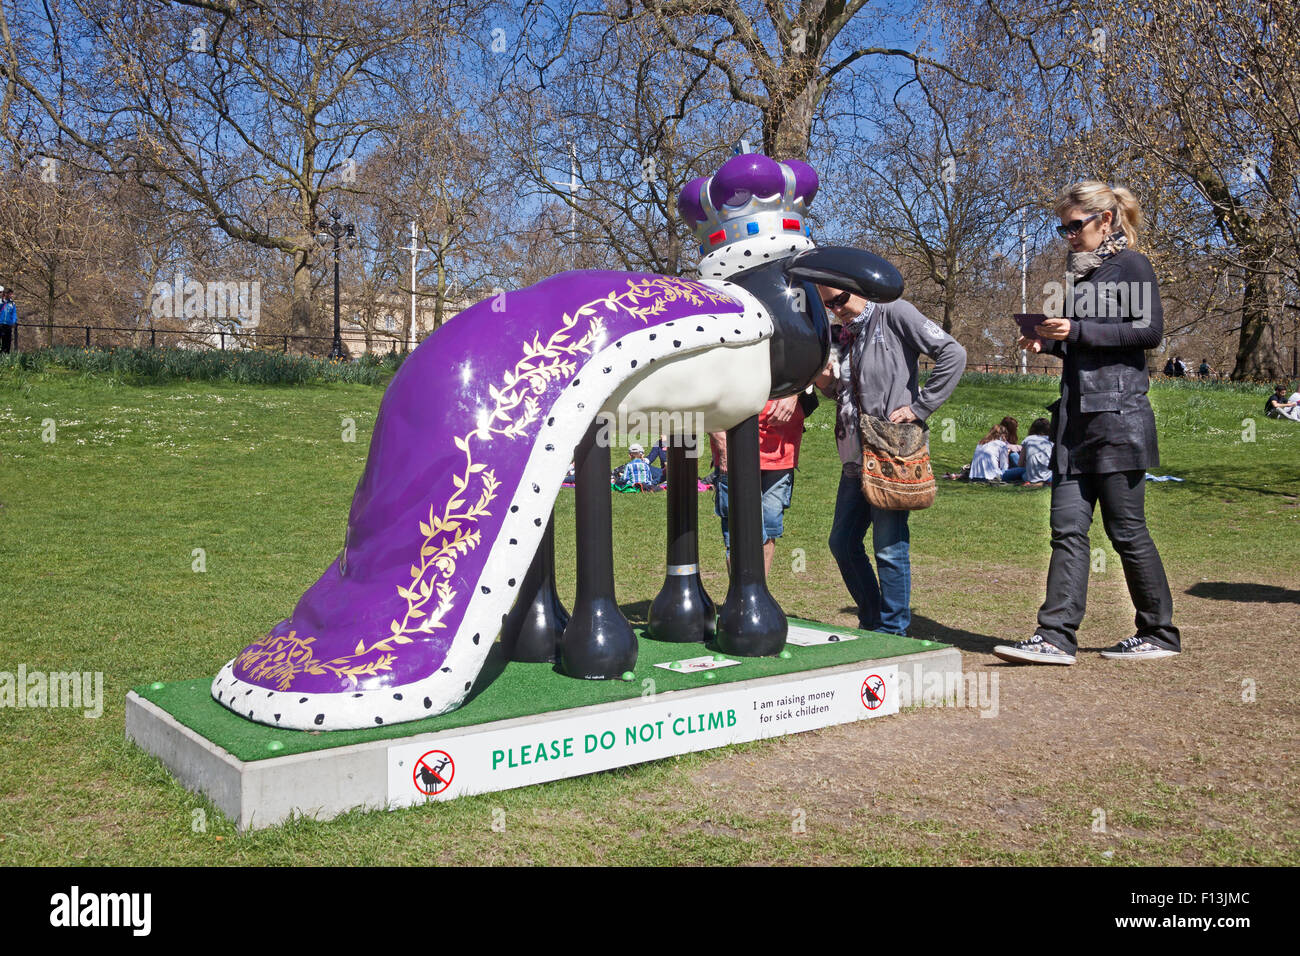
pixel 628 675
pixel 156 685
pixel 275 745
pixel 786 655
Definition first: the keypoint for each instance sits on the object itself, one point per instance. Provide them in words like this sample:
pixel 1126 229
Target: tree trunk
pixel 787 129
pixel 300 321
pixel 1258 357
pixel 949 305
pixel 788 119
pixel 950 284
pixel 440 297
pixel 49 306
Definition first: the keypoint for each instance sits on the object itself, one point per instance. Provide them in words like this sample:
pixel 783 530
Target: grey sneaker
pixel 1137 649
pixel 1036 650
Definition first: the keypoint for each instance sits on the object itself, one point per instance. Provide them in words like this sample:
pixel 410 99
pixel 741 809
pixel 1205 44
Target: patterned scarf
pixel 1079 264
pixel 851 331
pixel 847 342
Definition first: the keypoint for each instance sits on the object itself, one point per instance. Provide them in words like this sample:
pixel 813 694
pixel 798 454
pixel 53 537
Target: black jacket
pixel 1103 421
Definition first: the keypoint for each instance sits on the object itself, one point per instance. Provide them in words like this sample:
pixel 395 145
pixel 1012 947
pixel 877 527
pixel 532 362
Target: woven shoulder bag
pixel 896 471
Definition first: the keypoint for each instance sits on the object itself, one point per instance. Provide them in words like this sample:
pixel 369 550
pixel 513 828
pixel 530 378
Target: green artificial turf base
pixel 519 690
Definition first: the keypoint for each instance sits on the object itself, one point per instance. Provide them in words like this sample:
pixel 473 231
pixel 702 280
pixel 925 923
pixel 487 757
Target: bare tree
pixel 938 179
pixel 650 93
pixel 613 129
pixel 52 222
pixel 780 59
pixel 1204 93
pixel 252 113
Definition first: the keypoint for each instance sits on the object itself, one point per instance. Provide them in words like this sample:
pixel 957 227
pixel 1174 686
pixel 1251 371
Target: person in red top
pixel 780 431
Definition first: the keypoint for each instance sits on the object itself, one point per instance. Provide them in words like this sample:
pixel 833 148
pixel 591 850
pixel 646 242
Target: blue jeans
pixel 775 502
pixel 884 605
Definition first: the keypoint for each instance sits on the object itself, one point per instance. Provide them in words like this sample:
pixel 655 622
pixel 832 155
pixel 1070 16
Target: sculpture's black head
pixel 788 287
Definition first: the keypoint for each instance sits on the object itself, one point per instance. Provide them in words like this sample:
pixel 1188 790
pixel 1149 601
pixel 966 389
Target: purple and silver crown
pixel 749 211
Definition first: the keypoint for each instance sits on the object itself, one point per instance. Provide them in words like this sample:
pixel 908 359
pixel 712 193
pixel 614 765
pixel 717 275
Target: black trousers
pixel 1122 496
pixel 6 338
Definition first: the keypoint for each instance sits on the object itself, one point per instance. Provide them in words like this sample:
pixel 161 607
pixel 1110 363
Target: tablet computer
pixel 1027 321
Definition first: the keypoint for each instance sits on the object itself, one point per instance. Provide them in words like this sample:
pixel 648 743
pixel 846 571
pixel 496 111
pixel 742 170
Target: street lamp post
pixel 337 230
pixel 414 249
pixel 573 188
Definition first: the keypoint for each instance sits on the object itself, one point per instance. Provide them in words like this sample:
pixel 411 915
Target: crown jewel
pixel 753 202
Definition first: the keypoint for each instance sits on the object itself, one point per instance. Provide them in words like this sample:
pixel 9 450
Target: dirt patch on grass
pixel 1169 760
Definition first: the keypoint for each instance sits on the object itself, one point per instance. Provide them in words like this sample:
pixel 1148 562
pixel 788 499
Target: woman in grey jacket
pixel 1103 427
pixel 878 376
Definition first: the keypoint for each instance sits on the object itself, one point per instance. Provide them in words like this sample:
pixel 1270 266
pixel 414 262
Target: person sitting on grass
pixel 1013 440
pixel 1037 455
pixel 991 454
pixel 1278 406
pixel 636 473
pixel 659 453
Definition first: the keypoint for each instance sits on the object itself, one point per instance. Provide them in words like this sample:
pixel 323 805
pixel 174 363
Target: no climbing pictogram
pixel 873 692
pixel 433 772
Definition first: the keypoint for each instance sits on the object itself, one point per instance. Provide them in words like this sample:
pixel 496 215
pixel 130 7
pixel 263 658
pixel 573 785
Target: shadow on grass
pixel 492 667
pixel 1238 591
pixel 928 629
pixel 636 612
pixel 1212 479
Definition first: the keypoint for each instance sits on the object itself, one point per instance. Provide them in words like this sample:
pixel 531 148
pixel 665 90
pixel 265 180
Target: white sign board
pixel 690 665
pixel 463 763
pixel 811 637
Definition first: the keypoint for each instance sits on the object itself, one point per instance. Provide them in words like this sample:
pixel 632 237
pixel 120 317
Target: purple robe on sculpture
pixel 476 431
pixel 472 442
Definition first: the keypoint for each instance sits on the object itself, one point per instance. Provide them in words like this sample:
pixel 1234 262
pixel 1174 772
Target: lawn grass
pixel 102 531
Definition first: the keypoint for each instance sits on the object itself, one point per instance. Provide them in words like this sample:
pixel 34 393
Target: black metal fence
pixel 41 335
pixel 993 368
pixel 92 336
pixel 1044 368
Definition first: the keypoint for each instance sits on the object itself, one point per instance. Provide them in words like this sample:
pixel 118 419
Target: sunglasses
pixel 838 302
pixel 1075 226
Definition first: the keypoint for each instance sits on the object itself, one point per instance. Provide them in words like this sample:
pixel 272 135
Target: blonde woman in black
pixel 1103 428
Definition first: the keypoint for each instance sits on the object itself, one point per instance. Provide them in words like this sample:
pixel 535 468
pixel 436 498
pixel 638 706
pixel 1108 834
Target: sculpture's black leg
pixel 682 610
pixel 598 641
pixel 750 622
pixel 533 628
